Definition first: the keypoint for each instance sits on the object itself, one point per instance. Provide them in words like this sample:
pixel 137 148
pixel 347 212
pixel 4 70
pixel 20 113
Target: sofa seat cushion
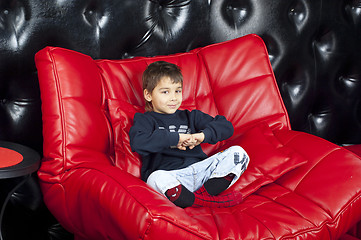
pixel 269 159
pixel 305 203
pixel 301 204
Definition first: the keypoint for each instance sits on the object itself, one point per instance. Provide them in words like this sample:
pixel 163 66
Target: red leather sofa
pixel 297 186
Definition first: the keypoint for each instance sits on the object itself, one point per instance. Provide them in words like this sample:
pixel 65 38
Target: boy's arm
pixel 214 129
pixel 145 138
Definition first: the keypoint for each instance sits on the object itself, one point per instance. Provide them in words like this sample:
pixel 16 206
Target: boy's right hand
pixel 185 140
pixel 197 138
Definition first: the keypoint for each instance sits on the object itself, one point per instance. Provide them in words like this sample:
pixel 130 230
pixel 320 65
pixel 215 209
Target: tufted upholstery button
pixel 326 44
pixel 319 121
pixel 296 87
pixel 273 48
pixel 348 86
pixel 298 14
pixel 236 12
pixel 12 22
pixel 125 55
pixel 353 12
pixel 322 118
pixel 94 15
pixel 166 19
pixel 171 26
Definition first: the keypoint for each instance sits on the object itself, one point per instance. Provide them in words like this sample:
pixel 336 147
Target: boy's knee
pixel 160 180
pixel 155 178
pixel 240 155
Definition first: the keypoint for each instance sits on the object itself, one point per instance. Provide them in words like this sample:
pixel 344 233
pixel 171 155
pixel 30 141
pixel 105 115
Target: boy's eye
pixel 178 91
pixel 165 92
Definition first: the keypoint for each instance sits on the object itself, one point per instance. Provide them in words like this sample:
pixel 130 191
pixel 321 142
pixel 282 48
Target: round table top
pixel 17 160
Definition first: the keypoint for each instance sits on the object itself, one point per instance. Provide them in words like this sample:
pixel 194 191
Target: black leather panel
pixel 314 48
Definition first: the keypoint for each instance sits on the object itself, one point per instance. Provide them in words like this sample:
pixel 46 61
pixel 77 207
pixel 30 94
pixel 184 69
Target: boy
pixel 168 139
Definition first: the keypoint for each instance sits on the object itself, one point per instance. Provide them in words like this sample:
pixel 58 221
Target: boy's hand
pixel 184 141
pixel 189 140
pixel 198 138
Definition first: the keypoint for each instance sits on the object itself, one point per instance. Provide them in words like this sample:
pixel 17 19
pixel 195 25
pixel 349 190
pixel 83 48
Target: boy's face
pixel 166 97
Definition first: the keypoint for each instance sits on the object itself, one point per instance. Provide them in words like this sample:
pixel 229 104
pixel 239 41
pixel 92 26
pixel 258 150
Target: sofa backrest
pixel 233 78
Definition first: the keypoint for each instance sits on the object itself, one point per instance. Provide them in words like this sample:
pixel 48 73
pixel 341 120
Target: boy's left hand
pixel 192 141
pixel 184 140
pixel 197 138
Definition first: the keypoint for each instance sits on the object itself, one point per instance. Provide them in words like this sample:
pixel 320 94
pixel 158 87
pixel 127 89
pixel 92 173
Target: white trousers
pixel 232 160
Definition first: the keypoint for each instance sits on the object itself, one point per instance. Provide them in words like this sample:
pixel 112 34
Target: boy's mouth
pixel 172 106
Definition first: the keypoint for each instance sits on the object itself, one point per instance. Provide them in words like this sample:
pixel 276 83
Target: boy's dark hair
pixel 155 72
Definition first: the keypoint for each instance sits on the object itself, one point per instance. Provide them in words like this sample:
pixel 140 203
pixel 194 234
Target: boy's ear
pixel 147 95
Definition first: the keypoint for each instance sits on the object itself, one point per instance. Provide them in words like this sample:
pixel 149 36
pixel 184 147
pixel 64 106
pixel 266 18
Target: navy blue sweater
pixel 155 137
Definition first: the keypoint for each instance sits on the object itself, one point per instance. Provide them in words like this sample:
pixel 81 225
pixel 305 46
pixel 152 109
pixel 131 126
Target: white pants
pixel 232 160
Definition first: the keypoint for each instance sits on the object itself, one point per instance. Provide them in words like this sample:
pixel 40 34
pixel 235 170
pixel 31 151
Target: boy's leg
pixel 162 180
pixel 233 163
pixel 197 176
pixel 182 197
pixel 215 186
pixel 166 182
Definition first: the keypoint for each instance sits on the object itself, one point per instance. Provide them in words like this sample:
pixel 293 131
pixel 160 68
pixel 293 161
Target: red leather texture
pixel 90 179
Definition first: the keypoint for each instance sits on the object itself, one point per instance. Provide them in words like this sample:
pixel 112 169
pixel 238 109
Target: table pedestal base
pixel 8 187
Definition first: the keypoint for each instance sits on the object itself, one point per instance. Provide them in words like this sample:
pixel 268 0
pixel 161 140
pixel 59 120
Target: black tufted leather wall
pixel 314 47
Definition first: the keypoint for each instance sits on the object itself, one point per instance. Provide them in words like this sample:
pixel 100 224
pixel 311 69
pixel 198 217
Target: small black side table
pixel 15 161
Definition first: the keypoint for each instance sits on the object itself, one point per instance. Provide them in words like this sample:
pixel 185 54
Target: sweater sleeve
pixel 215 129
pixel 146 138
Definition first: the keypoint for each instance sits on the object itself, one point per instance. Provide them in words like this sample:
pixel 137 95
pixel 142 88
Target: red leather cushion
pixel 269 159
pixel 121 116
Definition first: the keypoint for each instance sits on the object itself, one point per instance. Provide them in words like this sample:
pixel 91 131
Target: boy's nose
pixel 174 96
